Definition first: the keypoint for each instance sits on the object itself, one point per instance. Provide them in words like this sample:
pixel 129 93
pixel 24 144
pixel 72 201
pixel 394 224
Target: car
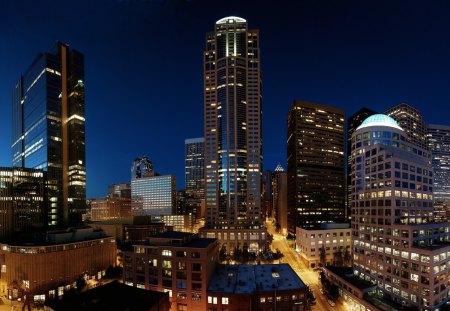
pixel 331 302
pixel 322 291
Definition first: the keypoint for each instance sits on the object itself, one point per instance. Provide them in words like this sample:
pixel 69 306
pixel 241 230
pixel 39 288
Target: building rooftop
pixel 380 120
pixel 113 296
pixel 346 273
pixel 231 19
pixel 248 279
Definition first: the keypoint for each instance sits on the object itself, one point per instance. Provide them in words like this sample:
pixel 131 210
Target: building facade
pixel 396 243
pixel 411 121
pixel 315 165
pixel 256 287
pixel 23 202
pixel 194 160
pixel 48 129
pixel 153 196
pixel 439 145
pixel 333 240
pixel 233 129
pixel 38 271
pixel 174 262
pixel 110 208
pixel 352 124
pixel 119 191
pixel 279 198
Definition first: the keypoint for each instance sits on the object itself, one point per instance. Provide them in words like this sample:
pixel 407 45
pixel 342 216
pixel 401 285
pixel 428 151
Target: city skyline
pixel 394 55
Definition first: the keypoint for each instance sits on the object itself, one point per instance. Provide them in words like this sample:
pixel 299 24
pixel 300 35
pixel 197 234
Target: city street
pixel 308 276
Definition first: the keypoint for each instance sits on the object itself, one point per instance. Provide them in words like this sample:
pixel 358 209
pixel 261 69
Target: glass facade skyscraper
pixel 49 129
pixel 233 131
pixel 315 165
pixel 194 160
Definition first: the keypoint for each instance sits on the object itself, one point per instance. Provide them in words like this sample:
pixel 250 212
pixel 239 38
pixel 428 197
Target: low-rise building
pixel 256 287
pixel 328 244
pixel 175 262
pixel 110 208
pixel 107 297
pixel 47 271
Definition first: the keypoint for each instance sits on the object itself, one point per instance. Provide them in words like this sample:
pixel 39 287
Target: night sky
pixel 144 76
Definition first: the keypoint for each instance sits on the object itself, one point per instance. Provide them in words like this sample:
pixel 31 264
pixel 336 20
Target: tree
pixel 347 257
pixel 323 256
pixel 338 259
pixel 223 253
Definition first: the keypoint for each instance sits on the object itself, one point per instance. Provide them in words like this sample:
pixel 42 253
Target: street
pixel 308 276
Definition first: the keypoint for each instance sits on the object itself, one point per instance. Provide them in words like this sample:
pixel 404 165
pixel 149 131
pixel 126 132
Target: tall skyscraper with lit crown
pixel 233 133
pixel 48 129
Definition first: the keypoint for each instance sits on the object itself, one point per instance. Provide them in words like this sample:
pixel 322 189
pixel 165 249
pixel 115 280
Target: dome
pixel 380 120
pixel 231 19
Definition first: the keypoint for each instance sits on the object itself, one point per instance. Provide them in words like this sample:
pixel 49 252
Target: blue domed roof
pixel 380 120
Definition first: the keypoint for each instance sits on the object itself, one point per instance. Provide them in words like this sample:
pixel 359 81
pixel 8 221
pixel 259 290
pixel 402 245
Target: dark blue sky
pixel 144 78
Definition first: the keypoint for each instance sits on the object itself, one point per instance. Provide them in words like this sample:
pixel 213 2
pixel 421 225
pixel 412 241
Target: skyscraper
pixel 194 159
pixel 49 129
pixel 396 243
pixel 315 164
pixel 439 145
pixel 352 124
pixel 411 121
pixel 233 132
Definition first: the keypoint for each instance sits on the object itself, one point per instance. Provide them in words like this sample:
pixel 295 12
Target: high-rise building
pixel 279 198
pixel 315 165
pixel 439 145
pixel 22 202
pixel 266 195
pixel 194 155
pixel 142 167
pixel 49 129
pixel 352 124
pixel 233 134
pixel 119 191
pixel 396 244
pixel 411 121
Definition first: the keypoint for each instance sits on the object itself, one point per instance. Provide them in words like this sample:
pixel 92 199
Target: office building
pixel 439 145
pixel 411 121
pixel 153 196
pixel 48 129
pixel 267 203
pixel 175 262
pixel 194 159
pixel 110 208
pixel 328 244
pixel 256 287
pixel 315 165
pixel 142 167
pixel 396 243
pixel 194 195
pixel 119 191
pixel 352 124
pixel 279 198
pixel 233 134
pixel 23 202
